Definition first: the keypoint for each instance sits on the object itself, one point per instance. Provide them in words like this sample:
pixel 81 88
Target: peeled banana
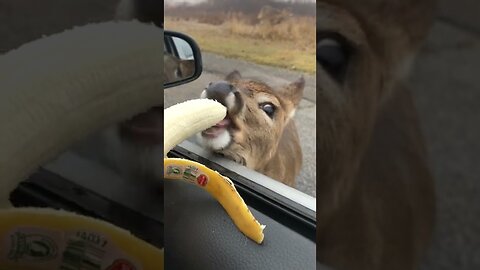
pixel 56 90
pixel 53 92
pixel 188 118
pixel 184 120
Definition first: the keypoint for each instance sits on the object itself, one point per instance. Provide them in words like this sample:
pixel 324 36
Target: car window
pixel 274 45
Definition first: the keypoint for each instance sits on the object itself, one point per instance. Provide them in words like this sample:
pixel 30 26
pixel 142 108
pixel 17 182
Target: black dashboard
pixel 194 229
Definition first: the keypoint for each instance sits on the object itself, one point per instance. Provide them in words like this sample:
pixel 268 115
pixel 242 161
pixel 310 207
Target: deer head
pixel 258 115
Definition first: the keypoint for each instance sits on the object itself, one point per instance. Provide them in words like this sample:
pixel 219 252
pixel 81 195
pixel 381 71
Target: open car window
pixel 256 47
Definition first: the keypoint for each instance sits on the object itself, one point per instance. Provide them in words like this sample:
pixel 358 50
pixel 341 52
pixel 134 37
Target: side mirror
pixel 181 58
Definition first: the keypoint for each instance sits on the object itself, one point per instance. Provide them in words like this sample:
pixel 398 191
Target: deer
pixel 176 69
pixel 375 190
pixel 259 131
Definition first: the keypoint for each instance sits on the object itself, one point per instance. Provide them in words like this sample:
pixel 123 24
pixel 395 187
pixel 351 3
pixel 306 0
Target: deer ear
pixel 233 76
pixel 294 91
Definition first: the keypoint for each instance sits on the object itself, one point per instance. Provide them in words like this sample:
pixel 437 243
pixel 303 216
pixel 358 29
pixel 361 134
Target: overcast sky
pixel 182 1
pixel 169 2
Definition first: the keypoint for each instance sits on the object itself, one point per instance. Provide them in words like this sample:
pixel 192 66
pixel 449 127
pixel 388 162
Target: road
pixel 217 67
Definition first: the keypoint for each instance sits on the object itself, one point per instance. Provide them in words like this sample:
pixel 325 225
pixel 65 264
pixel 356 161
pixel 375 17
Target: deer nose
pixel 225 93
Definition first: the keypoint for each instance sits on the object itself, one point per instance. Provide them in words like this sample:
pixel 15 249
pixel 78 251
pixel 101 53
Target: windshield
pixel 256 46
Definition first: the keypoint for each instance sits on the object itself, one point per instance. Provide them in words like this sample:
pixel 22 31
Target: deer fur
pixel 175 69
pixel 375 194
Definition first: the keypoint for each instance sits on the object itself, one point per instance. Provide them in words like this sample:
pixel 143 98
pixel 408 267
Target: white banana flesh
pixel 56 90
pixel 188 118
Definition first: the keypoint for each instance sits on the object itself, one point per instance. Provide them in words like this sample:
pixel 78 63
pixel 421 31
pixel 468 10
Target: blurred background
pixel 446 86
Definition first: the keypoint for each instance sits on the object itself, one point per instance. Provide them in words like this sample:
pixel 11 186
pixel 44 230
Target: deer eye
pixel 268 108
pixel 333 53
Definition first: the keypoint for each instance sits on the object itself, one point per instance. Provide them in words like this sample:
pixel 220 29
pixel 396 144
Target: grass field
pixel 288 45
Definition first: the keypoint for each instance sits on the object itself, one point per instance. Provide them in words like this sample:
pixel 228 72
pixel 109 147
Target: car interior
pixel 192 226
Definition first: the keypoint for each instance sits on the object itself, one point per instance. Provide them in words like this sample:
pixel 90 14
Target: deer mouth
pixel 145 128
pixel 217 130
pixel 217 137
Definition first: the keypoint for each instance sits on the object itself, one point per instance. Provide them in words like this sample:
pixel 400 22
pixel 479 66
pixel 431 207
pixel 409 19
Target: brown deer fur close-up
pixel 375 192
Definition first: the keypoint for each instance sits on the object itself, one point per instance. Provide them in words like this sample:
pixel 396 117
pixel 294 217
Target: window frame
pixel 285 204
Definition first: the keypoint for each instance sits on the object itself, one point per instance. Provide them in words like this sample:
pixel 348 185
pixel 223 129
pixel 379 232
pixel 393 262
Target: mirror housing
pixel 182 59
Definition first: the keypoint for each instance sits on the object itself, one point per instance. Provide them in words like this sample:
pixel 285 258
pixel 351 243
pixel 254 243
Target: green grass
pixel 279 53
